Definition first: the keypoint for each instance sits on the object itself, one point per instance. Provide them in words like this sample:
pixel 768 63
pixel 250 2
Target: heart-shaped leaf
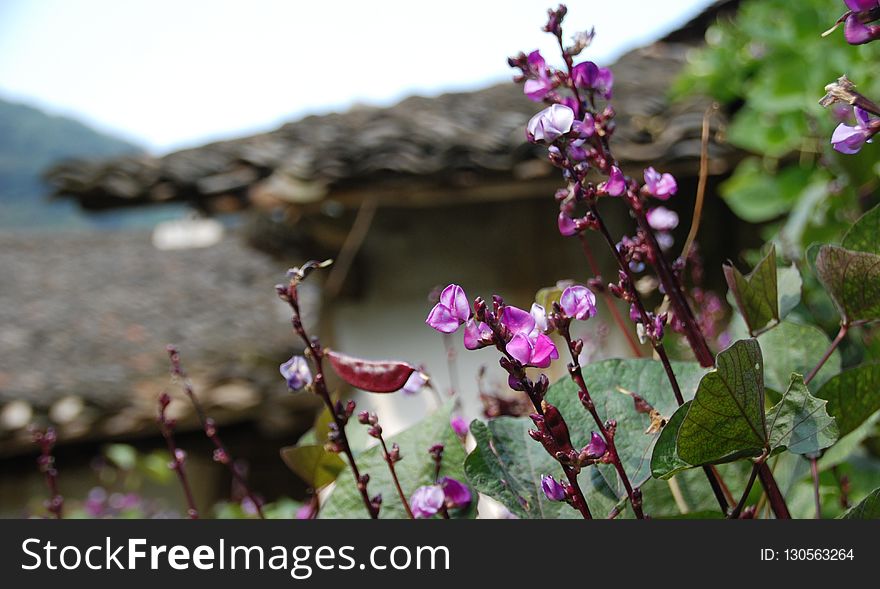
pixel 853 396
pixel 313 464
pixel 726 419
pixel 370 375
pixel 756 294
pixel 415 470
pixel 852 278
pixel 800 422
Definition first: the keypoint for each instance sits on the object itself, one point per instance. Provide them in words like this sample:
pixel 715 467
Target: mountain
pixel 30 141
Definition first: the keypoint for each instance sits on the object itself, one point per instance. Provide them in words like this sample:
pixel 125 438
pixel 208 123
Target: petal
pixel 536 61
pixel 473 334
pixel 862 117
pixel 442 319
pixel 584 74
pixel 855 31
pixel 566 224
pixel 543 351
pixel 536 89
pixel 540 316
pixel 517 320
pixel 616 184
pixel 456 493
pixel 859 5
pixel 520 348
pixel 846 139
pixel 456 301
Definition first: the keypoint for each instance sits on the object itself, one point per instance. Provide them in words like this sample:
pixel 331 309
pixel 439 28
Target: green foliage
pixel 756 294
pixel 507 465
pixel 727 421
pixel 853 396
pixel 769 65
pixel 608 382
pixel 852 279
pixel 415 470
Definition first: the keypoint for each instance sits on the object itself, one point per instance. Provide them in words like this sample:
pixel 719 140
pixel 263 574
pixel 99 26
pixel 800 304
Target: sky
pixel 168 74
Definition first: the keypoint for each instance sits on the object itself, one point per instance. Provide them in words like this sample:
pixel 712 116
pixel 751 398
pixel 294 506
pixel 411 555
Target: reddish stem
pixel 320 386
pixel 774 495
pixel 221 454
pixel 833 346
pixel 46 461
pixel 178 457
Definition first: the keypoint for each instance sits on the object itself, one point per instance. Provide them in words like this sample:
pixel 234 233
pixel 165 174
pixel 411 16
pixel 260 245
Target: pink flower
pixel 538 87
pixel 456 494
pixel 662 219
pixel 427 501
pixel 578 302
pixel 660 186
pixel 452 310
pixel 476 335
pixel 459 425
pixel 528 345
pixel 567 226
pixel 616 184
pixel 550 124
pixel 589 76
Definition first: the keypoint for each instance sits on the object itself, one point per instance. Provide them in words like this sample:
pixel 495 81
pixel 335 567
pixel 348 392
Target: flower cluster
pixel 858 28
pixel 446 494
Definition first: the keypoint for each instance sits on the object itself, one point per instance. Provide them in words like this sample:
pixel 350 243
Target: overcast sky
pixel 175 73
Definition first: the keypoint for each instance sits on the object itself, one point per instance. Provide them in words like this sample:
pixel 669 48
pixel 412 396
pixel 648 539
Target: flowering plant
pixel 696 421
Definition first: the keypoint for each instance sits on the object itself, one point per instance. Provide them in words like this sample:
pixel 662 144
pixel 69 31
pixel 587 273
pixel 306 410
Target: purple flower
pixel 616 184
pixel 452 310
pixel 550 124
pixel 847 139
pixel 859 5
pixel 597 446
pixel 660 186
pixel 427 501
pixel 858 33
pixel 476 335
pixel 296 372
pixel 456 494
pixel 528 344
pixel 589 76
pixel 586 127
pixel 578 302
pixel 662 219
pixel 416 381
pixel 552 489
pixel 538 87
pixel 665 240
pixel 459 425
pixel 567 226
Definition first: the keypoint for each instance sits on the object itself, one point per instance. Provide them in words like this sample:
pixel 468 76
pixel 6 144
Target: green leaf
pixel 605 380
pixel 800 422
pixel 415 470
pixel 784 357
pixel 853 280
pixel 665 460
pixel 756 294
pixel 313 464
pixel 863 235
pixel 853 396
pixel 726 419
pixel 507 465
pixel 868 508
